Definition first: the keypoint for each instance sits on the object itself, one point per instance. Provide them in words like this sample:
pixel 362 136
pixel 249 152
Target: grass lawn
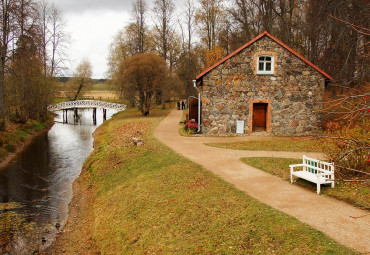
pixel 357 194
pixel 274 144
pixel 16 134
pixel 151 200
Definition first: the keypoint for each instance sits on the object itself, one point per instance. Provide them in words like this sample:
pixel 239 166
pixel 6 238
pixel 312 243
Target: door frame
pixel 258 108
pixel 268 113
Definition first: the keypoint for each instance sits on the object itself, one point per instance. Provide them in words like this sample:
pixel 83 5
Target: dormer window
pixel 265 65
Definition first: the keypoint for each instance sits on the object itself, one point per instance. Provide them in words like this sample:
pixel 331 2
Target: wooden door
pixel 259 117
pixel 193 108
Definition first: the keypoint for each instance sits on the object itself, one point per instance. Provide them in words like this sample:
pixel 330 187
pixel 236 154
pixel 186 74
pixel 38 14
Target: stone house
pixel 263 86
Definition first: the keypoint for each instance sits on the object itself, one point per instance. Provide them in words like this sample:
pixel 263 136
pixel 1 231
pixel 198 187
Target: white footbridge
pixel 86 104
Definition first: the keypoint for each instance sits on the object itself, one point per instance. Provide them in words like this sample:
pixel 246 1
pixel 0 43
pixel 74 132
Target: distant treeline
pixel 93 81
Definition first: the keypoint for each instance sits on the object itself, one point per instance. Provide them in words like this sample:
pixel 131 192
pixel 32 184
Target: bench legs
pixel 318 188
pixel 318 185
pixel 291 174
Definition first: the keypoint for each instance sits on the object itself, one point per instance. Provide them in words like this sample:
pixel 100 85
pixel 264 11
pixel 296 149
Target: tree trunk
pixel 2 99
pixel 79 90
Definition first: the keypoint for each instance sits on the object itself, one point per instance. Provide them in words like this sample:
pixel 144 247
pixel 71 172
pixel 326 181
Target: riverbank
pixel 148 199
pixel 17 136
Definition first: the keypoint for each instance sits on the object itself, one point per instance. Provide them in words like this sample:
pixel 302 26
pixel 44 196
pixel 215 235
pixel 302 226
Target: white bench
pixel 315 171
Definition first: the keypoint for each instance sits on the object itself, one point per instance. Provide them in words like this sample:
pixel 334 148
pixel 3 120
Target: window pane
pixel 261 66
pixel 268 58
pixel 268 66
pixel 262 58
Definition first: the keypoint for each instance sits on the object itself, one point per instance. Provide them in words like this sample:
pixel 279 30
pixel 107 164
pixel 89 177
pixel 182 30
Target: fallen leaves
pixel 123 135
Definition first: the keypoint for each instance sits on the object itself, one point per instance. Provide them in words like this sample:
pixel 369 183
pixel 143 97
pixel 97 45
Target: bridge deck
pixel 86 104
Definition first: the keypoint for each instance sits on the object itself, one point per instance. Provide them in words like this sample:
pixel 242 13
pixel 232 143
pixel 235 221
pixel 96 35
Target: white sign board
pixel 240 126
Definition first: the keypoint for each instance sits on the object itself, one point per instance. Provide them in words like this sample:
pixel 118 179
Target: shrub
pixel 349 149
pixel 191 127
pixel 10 147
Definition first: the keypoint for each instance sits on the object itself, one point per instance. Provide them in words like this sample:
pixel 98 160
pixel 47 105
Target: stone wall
pixel 293 93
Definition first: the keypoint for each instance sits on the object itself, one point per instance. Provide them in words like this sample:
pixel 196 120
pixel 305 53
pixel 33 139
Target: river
pixel 36 188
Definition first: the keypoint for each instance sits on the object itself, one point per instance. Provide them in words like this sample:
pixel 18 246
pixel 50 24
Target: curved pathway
pixel 333 217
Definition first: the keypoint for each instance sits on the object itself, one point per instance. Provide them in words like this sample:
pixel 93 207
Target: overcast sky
pixel 92 24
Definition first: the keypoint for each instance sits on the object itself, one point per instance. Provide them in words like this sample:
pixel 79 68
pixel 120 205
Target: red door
pixel 259 117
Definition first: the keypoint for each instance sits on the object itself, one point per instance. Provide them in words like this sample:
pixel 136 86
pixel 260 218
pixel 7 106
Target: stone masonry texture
pixel 294 93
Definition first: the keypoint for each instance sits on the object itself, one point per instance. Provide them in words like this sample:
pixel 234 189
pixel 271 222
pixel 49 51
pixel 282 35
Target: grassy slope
pixel 16 134
pixel 357 194
pixel 149 199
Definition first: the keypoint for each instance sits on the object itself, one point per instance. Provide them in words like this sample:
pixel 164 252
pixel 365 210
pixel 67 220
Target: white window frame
pixel 264 65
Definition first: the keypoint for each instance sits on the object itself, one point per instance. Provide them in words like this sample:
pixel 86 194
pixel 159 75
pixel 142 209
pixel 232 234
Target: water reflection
pixel 41 178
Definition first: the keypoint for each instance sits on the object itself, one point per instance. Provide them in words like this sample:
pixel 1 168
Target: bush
pixel 349 149
pixel 191 127
pixel 10 147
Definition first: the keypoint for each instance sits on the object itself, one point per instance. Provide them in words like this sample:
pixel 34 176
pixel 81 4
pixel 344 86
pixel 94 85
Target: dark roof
pixel 327 77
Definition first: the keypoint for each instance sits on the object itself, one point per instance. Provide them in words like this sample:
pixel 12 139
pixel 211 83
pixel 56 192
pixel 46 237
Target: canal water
pixel 36 188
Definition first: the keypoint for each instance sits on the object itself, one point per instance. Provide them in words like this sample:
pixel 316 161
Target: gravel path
pixel 335 218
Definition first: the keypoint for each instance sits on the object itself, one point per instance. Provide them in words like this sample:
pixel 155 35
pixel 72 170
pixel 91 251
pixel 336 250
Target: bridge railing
pixel 86 104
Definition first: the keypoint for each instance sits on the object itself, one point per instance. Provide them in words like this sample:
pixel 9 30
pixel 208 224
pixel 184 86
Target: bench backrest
pixel 314 165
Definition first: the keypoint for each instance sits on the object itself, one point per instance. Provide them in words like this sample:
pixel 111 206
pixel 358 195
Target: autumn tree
pixel 6 37
pixel 213 56
pixel 28 96
pixel 142 75
pixel 188 68
pixel 118 52
pixel 25 33
pixel 76 86
pixel 123 46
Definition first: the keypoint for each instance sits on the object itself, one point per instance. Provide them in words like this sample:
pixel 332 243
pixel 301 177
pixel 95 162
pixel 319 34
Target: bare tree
pixel 243 14
pixel 58 40
pixel 208 17
pixel 163 12
pixel 188 66
pixel 190 21
pixel 139 12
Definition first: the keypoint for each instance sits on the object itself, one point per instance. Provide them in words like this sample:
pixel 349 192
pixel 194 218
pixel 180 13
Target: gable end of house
pixel 265 33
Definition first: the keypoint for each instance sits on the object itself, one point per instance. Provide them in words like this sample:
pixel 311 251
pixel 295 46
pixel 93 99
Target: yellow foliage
pixel 213 56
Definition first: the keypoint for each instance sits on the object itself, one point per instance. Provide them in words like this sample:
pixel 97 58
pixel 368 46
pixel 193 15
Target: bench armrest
pixel 324 172
pixel 296 165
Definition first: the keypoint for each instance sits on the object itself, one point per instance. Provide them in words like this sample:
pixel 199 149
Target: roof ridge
pixel 264 33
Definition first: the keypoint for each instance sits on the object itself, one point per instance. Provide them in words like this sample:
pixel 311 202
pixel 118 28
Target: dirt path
pixel 330 216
